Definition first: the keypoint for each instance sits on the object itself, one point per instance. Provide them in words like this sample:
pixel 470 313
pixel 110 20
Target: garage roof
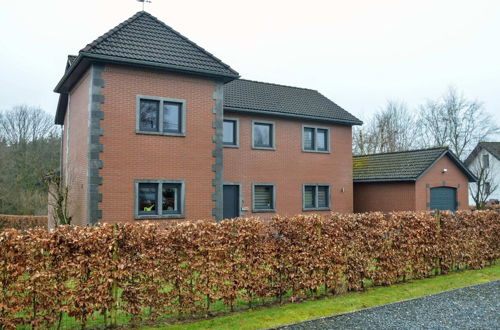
pixel 401 166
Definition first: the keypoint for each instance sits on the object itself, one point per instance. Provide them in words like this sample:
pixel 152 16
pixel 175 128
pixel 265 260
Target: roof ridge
pixel 112 31
pixel 402 152
pixel 275 84
pixel 192 43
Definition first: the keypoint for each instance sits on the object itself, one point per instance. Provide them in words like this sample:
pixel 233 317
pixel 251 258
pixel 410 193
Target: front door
pixel 231 201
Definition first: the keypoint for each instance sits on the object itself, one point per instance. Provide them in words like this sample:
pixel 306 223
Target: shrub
pixel 23 222
pixel 187 268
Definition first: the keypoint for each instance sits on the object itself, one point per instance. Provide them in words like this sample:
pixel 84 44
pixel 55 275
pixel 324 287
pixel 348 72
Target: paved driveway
pixel 474 307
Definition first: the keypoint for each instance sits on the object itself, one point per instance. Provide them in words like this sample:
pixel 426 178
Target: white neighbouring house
pixel 486 154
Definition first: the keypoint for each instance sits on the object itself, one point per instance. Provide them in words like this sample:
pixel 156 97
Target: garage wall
pixel 385 196
pixel 454 177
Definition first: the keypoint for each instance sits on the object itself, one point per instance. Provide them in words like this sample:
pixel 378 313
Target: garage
pixel 416 180
pixel 443 198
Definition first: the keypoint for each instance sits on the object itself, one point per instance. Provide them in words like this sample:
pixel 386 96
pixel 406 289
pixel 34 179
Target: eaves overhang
pixel 84 60
pixel 293 116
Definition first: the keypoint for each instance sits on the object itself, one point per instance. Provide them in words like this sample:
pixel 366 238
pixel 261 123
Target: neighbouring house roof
pixel 143 40
pixel 492 147
pixel 402 166
pixel 249 96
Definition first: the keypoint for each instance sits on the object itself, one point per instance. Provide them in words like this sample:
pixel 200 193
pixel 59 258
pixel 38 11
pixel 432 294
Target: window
pixel 487 189
pixel 263 197
pixel 316 197
pixel 263 135
pixel 165 116
pixel 159 199
pixel 486 161
pixel 230 133
pixel 315 139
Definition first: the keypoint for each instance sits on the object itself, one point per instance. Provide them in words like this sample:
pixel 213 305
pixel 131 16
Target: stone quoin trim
pixel 217 153
pixel 96 99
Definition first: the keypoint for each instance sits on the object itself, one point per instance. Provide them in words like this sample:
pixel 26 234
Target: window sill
pixel 317 151
pixel 159 217
pixel 263 148
pixel 231 146
pixel 160 133
pixel 316 209
pixel 264 211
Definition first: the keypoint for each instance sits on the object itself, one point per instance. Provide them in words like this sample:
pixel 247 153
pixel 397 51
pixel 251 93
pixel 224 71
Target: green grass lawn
pixel 296 312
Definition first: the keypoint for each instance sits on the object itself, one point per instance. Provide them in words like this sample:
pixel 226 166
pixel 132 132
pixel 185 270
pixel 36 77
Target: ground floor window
pixel 316 197
pixel 159 198
pixel 263 197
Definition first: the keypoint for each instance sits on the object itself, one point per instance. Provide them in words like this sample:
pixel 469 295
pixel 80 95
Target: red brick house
pixel 416 180
pixel 155 127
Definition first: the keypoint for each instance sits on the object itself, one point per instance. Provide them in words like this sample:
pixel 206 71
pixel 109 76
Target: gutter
pixel 282 114
pixel 120 60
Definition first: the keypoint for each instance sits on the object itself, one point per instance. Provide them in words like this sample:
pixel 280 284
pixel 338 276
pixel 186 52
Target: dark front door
pixel 231 201
pixel 443 198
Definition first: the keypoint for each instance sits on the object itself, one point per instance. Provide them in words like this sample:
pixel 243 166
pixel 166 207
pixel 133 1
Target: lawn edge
pixel 378 306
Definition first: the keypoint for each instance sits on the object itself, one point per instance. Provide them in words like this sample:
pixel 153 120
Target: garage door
pixel 443 198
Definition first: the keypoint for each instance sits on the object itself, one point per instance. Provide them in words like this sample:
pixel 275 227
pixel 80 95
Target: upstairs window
pixel 165 116
pixel 159 199
pixel 230 133
pixel 316 197
pixel 315 139
pixel 263 135
pixel 263 197
pixel 486 161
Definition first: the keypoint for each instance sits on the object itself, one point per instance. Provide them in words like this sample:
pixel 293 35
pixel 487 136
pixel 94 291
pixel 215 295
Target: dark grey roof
pixel 145 38
pixel 257 97
pixel 401 166
pixel 492 147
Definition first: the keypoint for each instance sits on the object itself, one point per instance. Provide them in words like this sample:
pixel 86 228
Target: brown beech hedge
pixel 148 272
pixel 23 222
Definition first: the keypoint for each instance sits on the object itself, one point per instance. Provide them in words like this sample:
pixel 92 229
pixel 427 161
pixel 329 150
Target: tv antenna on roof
pixel 143 2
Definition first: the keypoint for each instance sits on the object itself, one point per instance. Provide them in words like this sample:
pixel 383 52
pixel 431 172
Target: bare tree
pixel 486 183
pixel 58 199
pixel 456 122
pixel 23 124
pixel 393 128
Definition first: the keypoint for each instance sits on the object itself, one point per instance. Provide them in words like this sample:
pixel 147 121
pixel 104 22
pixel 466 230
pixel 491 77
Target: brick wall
pixel 454 177
pixel 384 196
pixel 288 167
pixel 129 156
pixel 75 150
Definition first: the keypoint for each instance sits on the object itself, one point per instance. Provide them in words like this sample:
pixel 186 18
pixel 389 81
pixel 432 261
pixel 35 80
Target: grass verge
pixel 295 312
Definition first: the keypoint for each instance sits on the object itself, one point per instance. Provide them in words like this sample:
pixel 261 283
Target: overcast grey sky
pixel 359 53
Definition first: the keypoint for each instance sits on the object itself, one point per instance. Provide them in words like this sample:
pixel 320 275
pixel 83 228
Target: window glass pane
pixel 229 132
pixel 171 198
pixel 322 137
pixel 323 196
pixel 148 115
pixel 309 198
pixel 148 194
pixel 262 135
pixel 263 197
pixel 308 138
pixel 171 117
